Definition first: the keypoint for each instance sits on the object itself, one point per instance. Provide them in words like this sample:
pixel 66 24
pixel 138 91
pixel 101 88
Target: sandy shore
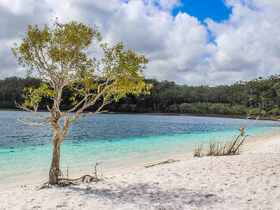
pixel 247 181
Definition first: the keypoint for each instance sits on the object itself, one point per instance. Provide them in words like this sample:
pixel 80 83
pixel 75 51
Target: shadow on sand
pixel 148 195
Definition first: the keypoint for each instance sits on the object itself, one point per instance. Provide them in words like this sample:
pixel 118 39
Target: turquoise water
pixel 115 140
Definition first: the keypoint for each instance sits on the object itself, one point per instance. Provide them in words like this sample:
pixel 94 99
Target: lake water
pixel 115 140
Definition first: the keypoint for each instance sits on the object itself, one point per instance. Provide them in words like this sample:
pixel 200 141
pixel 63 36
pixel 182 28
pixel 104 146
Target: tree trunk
pixel 59 135
pixel 54 172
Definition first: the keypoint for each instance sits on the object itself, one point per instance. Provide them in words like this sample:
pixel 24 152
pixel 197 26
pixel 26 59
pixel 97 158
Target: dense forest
pixel 256 98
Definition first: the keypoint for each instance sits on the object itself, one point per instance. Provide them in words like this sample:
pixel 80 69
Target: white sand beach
pixel 247 181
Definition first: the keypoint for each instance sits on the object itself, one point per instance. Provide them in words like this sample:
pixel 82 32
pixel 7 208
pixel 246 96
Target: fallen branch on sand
pixel 161 163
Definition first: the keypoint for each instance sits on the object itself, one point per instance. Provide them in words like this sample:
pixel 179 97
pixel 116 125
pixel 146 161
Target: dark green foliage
pixel 256 98
pixel 11 90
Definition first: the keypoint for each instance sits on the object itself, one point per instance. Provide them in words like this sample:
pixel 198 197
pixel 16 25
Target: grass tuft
pixel 222 149
pixel 198 151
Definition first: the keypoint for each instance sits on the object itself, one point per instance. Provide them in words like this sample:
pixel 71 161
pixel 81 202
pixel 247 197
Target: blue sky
pixel 202 9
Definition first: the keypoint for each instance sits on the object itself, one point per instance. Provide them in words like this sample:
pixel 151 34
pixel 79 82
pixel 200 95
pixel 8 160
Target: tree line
pixel 255 98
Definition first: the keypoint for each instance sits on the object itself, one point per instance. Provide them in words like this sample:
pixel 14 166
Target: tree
pixel 59 56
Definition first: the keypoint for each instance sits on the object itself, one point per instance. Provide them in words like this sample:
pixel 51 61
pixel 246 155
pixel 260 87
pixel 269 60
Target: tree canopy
pixel 59 56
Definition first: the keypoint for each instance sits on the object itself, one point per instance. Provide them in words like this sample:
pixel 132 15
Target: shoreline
pixel 246 181
pixel 244 117
pixel 41 177
pixel 109 168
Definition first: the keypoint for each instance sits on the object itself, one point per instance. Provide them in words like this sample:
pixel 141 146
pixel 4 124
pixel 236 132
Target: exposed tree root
pixel 83 179
pixel 64 182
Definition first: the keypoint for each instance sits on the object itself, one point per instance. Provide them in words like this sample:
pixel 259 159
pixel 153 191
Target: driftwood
pixel 161 163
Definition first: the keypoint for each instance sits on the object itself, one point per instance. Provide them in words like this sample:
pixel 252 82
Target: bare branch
pixel 25 108
pixel 33 123
pixel 91 103
pixel 77 105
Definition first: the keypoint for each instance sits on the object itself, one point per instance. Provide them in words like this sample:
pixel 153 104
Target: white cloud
pixel 249 42
pixel 169 4
pixel 246 46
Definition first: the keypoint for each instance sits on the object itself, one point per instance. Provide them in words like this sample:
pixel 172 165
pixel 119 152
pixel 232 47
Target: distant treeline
pixel 259 97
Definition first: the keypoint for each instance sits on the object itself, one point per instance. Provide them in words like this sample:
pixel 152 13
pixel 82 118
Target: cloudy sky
pixel 189 41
